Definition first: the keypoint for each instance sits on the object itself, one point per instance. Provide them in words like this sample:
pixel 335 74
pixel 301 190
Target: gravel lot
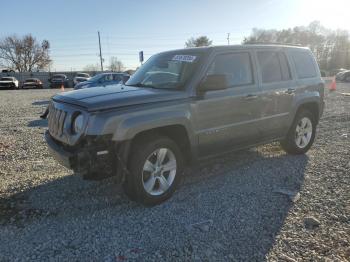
pixel 253 205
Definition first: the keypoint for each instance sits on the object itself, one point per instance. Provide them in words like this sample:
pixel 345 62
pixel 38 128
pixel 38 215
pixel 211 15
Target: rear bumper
pixel 32 86
pixel 58 84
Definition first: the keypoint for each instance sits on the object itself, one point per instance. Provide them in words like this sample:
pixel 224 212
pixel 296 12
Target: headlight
pixel 78 124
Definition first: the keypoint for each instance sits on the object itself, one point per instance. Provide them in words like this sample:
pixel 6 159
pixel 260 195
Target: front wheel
pixel 155 166
pixel 302 133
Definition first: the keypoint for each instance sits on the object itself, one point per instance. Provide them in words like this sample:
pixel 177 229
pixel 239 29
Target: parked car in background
pixel 185 105
pixel 104 79
pixel 8 82
pixel 80 77
pixel 7 71
pixel 58 80
pixel 32 83
pixel 343 76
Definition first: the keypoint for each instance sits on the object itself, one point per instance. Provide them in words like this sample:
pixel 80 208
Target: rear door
pixel 227 118
pixel 278 91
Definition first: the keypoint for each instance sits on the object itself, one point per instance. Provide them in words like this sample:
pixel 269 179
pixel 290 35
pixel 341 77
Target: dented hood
pixel 114 96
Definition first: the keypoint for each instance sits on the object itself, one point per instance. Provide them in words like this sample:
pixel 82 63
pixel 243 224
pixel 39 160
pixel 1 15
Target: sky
pixel 127 27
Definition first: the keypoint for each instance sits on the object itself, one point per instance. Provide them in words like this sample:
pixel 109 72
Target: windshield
pixel 31 80
pixel 83 75
pixel 166 71
pixel 96 77
pixel 6 79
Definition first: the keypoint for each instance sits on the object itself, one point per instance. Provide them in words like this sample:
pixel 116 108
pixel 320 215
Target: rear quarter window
pixel 304 64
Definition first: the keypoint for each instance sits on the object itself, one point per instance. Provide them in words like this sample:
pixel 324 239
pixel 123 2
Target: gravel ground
pixel 253 205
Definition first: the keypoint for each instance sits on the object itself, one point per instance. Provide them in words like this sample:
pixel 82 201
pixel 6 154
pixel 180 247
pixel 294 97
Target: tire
pixel 295 143
pixel 139 181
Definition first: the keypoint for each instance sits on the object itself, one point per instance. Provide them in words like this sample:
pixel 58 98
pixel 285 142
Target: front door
pixel 229 117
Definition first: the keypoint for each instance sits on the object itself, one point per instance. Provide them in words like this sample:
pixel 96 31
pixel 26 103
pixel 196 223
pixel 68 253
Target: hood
pixel 114 96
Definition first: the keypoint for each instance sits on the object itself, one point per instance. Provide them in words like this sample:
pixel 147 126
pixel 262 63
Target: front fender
pixel 131 126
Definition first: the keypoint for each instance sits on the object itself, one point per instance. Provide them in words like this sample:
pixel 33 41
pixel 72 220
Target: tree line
pixel 330 47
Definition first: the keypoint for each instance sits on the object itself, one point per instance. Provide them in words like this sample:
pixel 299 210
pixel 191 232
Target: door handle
pixel 290 91
pixel 251 97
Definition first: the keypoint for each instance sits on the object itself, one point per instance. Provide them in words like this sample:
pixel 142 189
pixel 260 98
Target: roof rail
pixel 272 43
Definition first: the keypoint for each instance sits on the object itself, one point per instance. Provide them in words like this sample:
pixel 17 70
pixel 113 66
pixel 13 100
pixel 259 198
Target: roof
pixel 60 75
pixel 230 47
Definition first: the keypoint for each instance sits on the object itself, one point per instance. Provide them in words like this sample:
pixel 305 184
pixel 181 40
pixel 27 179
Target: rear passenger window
pixel 236 66
pixel 304 64
pixel 273 66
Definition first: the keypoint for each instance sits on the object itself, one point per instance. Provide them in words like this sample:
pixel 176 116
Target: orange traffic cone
pixel 333 85
pixel 62 88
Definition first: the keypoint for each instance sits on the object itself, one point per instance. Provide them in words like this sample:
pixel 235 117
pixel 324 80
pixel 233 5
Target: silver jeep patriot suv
pixel 185 105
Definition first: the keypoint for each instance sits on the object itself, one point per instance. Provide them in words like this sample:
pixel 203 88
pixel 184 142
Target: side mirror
pixel 214 82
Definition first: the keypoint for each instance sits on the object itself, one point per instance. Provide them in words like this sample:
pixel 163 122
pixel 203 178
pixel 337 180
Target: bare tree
pixel 330 47
pixel 199 41
pixel 115 64
pixel 92 68
pixel 24 54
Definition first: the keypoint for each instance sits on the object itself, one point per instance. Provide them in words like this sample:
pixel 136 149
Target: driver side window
pixel 108 78
pixel 236 66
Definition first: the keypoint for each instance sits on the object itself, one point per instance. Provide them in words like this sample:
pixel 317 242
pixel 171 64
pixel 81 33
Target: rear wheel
pixel 155 166
pixel 302 133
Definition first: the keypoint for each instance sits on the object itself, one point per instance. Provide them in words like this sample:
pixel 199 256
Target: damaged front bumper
pixel 94 158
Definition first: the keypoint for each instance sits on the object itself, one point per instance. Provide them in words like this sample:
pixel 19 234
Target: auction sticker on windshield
pixel 184 58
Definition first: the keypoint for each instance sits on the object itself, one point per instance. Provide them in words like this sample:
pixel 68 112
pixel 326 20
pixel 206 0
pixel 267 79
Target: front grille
pixel 56 121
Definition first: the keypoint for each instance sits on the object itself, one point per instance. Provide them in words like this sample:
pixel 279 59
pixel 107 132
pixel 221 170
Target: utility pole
pixel 228 38
pixel 99 43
